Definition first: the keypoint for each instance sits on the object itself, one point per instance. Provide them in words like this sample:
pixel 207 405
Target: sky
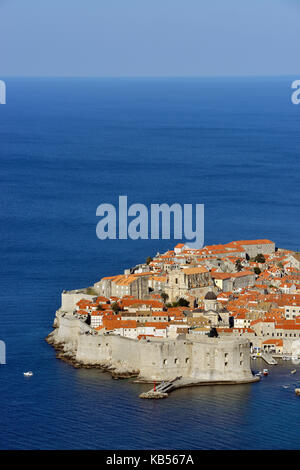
pixel 149 37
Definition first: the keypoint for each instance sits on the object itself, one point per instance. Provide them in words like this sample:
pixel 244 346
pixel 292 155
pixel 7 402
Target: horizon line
pixel 153 76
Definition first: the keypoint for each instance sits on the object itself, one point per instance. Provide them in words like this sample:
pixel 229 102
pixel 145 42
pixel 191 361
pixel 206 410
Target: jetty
pixel 268 358
pixel 162 390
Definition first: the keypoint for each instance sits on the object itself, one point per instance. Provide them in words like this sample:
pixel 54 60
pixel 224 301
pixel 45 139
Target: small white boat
pixel 28 374
pixel 266 372
pixel 293 371
pixel 258 374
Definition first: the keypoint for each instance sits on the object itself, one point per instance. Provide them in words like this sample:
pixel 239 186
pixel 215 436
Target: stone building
pixel 123 284
pixel 294 260
pixel 228 282
pixel 210 301
pixel 255 247
pixel 291 311
pixel 217 315
pixel 211 314
pixel 145 316
pixel 188 281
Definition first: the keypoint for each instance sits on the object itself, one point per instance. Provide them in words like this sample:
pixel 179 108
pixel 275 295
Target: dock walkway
pixel 161 390
pixel 268 358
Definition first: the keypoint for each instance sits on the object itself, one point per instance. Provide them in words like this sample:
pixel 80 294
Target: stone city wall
pixel 198 359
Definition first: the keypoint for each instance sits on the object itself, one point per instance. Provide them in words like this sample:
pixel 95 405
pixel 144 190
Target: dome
pixel 210 296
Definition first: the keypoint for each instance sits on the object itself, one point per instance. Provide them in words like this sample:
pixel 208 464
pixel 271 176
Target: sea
pixel 68 145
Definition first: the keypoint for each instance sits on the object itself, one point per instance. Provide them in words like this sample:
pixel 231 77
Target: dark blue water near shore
pixel 66 146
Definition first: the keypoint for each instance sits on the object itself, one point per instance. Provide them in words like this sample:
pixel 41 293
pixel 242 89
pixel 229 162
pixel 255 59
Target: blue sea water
pixel 68 145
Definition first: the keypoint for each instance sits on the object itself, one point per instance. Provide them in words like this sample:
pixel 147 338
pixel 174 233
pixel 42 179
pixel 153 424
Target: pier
pixel 162 390
pixel 268 358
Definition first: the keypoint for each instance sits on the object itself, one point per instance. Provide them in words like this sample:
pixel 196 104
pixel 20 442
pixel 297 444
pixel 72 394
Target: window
pixel 165 361
pixel 187 360
pixel 226 359
pixel 207 359
pixel 176 360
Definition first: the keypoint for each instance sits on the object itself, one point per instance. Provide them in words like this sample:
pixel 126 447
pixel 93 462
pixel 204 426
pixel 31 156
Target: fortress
pixel 197 359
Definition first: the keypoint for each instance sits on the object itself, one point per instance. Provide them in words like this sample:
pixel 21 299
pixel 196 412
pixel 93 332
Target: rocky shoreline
pixel 144 362
pixel 70 358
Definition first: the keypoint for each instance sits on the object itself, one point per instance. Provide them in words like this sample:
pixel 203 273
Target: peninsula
pixel 193 314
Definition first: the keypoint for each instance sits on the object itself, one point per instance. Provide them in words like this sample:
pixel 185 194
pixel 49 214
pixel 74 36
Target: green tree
pixel 115 308
pixel 149 259
pixel 183 302
pixel 164 297
pixel 180 303
pixel 257 270
pixel 260 258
